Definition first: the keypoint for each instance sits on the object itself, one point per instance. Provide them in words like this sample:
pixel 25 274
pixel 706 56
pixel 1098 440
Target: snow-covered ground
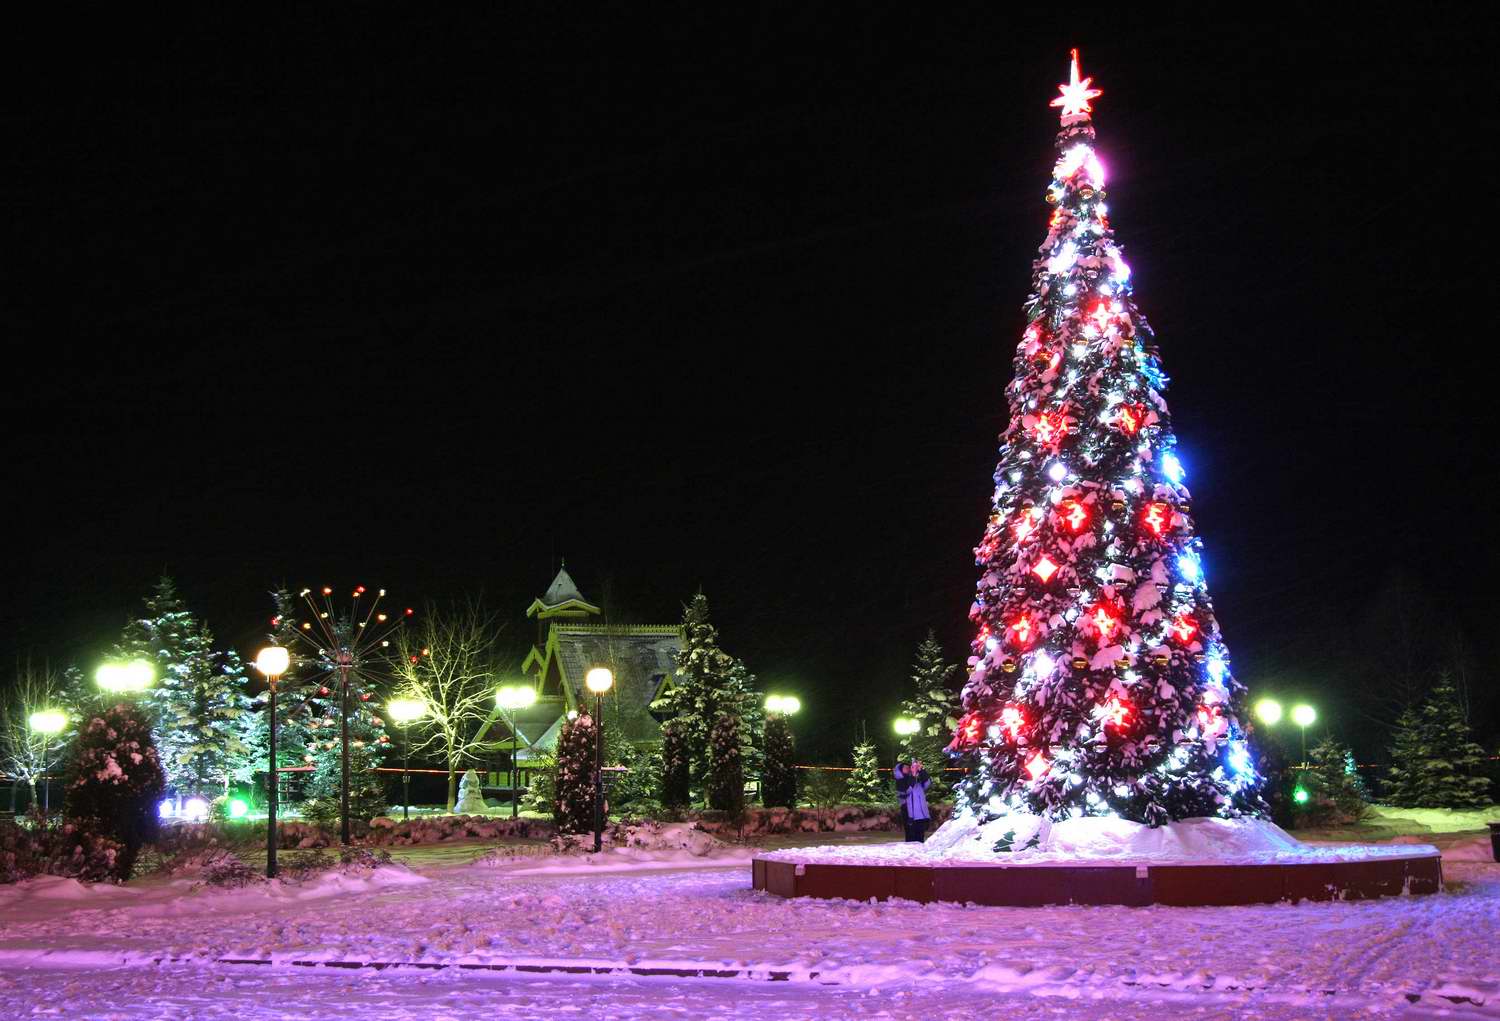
pixel 446 931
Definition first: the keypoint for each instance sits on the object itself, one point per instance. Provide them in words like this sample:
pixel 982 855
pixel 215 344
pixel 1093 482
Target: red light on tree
pixel 1102 315
pixel 1183 628
pixel 1130 418
pixel 1050 428
pixel 1044 569
pixel 1022 631
pixel 1074 515
pixel 970 729
pixel 1157 518
pixel 1103 620
pixel 1025 525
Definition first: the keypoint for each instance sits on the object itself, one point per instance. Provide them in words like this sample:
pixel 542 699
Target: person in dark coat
pixel 911 790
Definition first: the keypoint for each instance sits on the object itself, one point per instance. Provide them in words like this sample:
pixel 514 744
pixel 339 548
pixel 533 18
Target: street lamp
pixel 510 698
pixel 272 662
pixel 786 705
pixel 599 680
pixel 48 723
pixel 1268 711
pixel 125 678
pixel 406 711
pixel 905 726
pixel 1304 716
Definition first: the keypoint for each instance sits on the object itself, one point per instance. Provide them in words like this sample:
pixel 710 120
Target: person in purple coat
pixel 911 790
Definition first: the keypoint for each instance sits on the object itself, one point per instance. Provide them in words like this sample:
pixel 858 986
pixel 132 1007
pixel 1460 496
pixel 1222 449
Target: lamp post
pixel 509 699
pixel 48 723
pixel 599 680
pixel 1304 716
pixel 125 678
pixel 272 662
pixel 406 711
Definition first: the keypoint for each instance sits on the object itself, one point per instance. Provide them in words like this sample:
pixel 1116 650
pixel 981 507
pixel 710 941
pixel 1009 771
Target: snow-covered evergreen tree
pixel 933 703
pixel 865 785
pixel 1099 683
pixel 1435 762
pixel 1405 784
pixel 708 684
pixel 115 781
pixel 1335 792
pixel 1452 763
pixel 726 770
pixel 676 766
pixel 778 778
pixel 573 785
pixel 198 700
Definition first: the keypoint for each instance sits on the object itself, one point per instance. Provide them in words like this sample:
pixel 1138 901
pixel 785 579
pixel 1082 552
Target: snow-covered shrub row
pixel 67 850
pixel 837 819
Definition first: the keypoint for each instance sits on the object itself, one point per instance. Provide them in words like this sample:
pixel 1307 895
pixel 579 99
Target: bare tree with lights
pixel 27 752
pixel 446 660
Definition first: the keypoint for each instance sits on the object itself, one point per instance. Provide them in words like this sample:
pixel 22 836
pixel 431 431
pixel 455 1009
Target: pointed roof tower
pixel 562 599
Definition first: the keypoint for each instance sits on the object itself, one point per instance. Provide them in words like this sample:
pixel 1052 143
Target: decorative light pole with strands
pixel 599 680
pixel 354 645
pixel 272 662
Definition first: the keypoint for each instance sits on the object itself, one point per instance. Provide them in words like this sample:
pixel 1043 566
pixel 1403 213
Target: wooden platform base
pixel 1037 885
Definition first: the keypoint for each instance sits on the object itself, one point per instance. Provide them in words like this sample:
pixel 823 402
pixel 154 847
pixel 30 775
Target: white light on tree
pixel 272 661
pixel 515 696
pixel 599 680
pixel 48 721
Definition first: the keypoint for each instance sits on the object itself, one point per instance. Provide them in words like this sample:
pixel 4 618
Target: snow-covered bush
pixel 726 768
pixel 543 784
pixel 778 778
pixel 573 798
pixel 115 782
pixel 676 766
pixel 63 850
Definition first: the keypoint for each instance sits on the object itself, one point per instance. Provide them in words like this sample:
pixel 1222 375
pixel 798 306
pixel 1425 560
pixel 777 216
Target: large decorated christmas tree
pixel 1098 684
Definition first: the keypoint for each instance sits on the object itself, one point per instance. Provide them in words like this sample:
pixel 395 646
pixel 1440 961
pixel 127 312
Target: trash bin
pixel 1495 840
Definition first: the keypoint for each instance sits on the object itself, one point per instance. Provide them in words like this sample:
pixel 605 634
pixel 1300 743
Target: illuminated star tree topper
pixel 1076 95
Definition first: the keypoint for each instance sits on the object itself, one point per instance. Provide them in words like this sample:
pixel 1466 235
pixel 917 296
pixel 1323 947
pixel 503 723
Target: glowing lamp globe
pixel 515 696
pixel 48 721
pixel 599 680
pixel 405 710
pixel 136 675
pixel 1300 795
pixel 272 661
pixel 238 809
pixel 906 726
pixel 1304 715
pixel 1268 711
pixel 786 705
pixel 195 810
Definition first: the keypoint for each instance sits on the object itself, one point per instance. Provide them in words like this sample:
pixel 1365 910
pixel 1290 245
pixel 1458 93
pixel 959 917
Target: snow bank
pixel 1035 841
pixel 646 845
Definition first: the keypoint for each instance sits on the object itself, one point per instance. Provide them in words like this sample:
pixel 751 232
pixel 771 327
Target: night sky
pixel 694 299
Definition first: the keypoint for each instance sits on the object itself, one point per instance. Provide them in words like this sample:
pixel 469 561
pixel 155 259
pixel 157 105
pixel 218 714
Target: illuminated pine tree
pixel 1098 684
